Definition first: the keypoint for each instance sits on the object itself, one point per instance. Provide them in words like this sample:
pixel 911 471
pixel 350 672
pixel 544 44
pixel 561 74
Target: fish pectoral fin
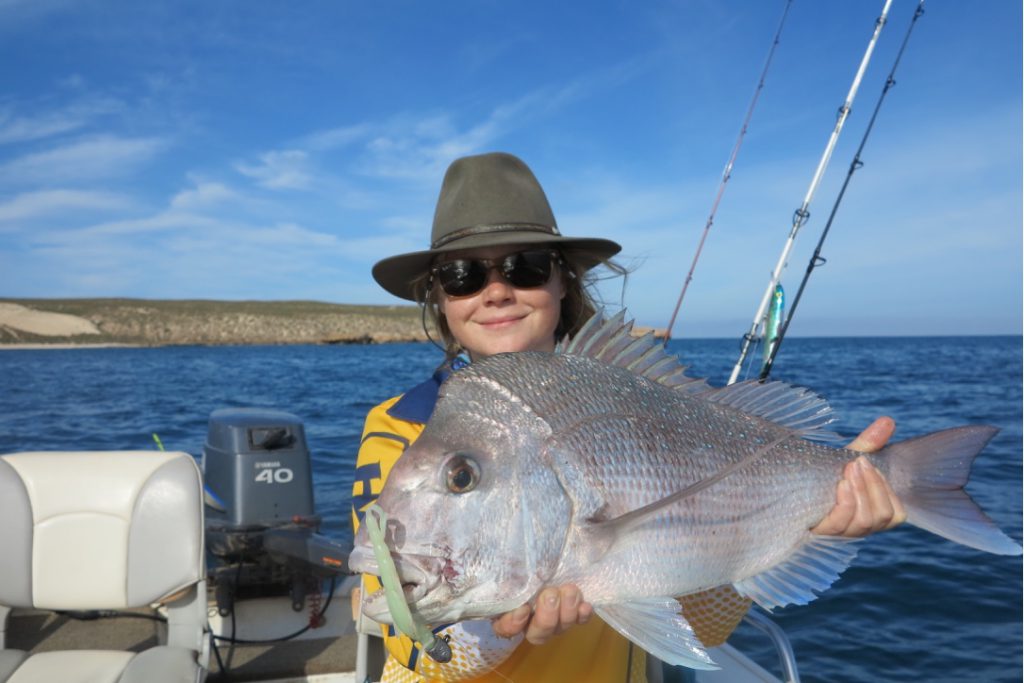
pixel 658 626
pixel 797 580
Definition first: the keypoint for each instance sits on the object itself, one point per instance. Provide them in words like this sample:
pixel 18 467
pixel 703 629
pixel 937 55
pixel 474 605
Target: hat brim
pixel 397 274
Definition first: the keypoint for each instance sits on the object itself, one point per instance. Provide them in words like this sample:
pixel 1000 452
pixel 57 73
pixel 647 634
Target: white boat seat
pixel 104 530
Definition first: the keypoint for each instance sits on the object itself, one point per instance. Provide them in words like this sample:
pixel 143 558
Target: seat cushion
pixel 9 661
pixel 132 520
pixel 73 666
pixel 162 665
pixel 156 665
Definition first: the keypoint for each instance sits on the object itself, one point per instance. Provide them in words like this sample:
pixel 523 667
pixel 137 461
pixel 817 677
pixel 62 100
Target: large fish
pixel 604 465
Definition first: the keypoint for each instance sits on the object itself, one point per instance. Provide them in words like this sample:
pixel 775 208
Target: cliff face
pixel 171 322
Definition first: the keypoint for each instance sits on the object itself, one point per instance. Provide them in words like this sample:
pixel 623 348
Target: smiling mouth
pixel 501 321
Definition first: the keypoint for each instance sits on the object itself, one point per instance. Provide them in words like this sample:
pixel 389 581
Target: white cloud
pixel 125 229
pixel 57 202
pixel 336 137
pixel 36 127
pixel 204 194
pixel 86 159
pixel 191 254
pixel 44 124
pixel 286 169
pixel 290 236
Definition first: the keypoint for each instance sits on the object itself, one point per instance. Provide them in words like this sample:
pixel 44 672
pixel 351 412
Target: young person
pixel 500 277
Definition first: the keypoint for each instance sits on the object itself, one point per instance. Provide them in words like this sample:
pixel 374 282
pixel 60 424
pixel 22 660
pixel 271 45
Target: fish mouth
pixel 419 575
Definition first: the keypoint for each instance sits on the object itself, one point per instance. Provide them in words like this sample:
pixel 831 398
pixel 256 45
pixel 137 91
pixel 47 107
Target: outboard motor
pixel 261 528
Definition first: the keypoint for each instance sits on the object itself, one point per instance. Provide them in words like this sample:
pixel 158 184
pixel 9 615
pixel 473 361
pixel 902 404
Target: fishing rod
pixel 816 259
pixel 801 215
pixel 727 173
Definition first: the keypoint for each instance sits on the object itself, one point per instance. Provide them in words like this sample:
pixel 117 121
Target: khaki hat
pixel 488 200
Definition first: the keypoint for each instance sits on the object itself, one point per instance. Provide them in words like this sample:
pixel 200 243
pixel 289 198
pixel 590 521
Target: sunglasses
pixel 523 269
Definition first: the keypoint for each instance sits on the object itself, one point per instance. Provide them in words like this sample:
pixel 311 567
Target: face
pixel 502 318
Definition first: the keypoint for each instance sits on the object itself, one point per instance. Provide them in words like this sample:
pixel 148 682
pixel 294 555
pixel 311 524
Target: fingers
pixel 842 514
pixel 865 503
pixel 875 436
pixel 546 616
pixel 569 600
pixel 356 596
pixel 866 515
pixel 574 609
pixel 885 509
pixel 511 624
pixel 556 609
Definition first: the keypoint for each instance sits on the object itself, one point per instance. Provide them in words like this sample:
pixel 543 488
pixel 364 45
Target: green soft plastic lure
pixel 376 522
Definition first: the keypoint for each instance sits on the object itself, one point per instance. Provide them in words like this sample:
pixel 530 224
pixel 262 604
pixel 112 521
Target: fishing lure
pixel 437 648
pixel 773 325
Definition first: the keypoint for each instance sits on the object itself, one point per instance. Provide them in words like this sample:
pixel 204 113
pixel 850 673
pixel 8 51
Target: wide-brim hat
pixel 486 201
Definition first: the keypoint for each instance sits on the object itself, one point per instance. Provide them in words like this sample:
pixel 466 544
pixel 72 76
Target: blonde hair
pixel 578 306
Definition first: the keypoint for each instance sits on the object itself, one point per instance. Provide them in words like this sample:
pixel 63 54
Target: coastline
pixel 64 345
pixel 100 323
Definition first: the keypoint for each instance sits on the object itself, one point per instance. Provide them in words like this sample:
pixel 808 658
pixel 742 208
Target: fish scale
pixel 605 465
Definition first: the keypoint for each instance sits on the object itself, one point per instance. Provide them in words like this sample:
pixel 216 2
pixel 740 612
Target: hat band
pixel 493 229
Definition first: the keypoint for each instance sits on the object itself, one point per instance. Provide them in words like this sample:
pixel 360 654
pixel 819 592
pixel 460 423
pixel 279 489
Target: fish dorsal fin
pixel 797 580
pixel 658 626
pixel 797 408
pixel 612 342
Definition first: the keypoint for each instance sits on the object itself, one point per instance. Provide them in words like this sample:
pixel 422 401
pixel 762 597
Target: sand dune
pixel 24 319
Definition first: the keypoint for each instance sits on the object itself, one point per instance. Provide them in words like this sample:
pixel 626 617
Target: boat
pixel 272 595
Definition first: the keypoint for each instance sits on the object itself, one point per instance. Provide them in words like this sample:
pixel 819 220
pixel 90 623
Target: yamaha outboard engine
pixel 261 527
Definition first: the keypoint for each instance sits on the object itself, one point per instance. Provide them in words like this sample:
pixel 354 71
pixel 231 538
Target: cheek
pixel 553 296
pixel 456 310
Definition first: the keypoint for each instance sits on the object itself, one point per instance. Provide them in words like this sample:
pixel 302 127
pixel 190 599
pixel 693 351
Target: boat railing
pixel 369 653
pixel 787 660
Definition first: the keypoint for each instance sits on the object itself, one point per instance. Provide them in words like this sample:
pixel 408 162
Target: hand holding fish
pixel 557 610
pixel 865 503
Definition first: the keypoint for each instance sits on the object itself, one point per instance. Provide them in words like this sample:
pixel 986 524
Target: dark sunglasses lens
pixel 462 277
pixel 527 268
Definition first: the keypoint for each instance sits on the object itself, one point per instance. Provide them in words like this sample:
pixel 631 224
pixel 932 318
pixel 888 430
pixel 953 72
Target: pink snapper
pixel 606 466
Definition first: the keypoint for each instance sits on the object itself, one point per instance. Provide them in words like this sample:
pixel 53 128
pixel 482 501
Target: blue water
pixel 912 607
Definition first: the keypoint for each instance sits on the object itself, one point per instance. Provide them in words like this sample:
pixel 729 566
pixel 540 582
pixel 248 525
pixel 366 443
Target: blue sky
pixel 266 150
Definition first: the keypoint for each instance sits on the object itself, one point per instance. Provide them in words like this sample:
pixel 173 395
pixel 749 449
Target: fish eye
pixel 461 473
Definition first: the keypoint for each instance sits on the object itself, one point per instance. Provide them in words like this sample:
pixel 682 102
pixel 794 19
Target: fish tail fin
pixel 928 474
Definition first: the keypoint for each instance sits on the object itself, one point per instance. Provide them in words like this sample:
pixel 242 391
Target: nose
pixel 497 289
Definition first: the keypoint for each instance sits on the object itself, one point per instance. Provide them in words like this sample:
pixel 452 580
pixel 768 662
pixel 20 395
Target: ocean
pixel 913 607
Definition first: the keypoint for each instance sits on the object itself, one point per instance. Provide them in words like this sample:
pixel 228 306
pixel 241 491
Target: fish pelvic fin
pixel 798 580
pixel 658 626
pixel 928 474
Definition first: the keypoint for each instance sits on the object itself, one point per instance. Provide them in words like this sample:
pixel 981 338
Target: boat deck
pixel 327 654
